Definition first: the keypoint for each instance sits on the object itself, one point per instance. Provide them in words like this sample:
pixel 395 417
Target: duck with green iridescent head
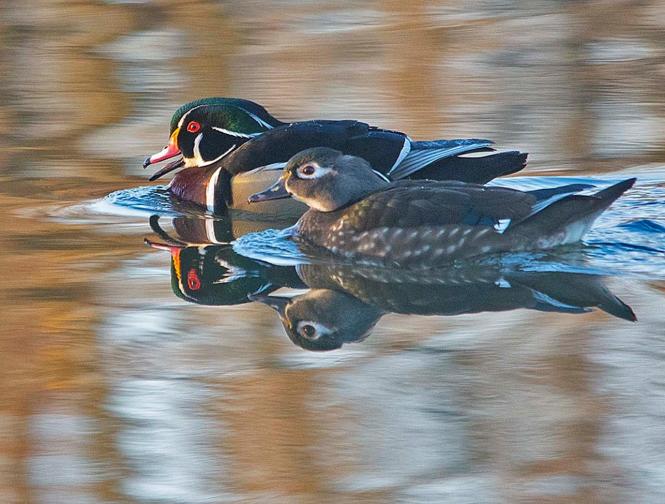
pixel 231 148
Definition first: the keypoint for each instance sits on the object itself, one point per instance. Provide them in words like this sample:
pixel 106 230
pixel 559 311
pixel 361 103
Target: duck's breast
pixel 247 183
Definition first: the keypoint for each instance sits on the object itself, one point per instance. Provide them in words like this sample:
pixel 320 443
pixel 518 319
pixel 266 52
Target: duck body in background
pixel 232 147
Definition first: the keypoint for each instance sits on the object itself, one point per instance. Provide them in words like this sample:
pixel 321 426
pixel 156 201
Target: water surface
pixel 121 385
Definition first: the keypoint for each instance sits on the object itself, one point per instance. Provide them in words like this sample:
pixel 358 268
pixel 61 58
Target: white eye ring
pixel 306 326
pixel 310 171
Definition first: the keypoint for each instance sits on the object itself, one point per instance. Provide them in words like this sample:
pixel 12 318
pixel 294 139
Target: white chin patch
pixel 197 150
pixel 312 203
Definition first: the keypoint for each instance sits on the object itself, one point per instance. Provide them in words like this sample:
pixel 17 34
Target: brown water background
pixel 114 390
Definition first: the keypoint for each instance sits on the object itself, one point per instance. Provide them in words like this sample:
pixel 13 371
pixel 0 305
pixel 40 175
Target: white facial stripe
pixel 258 119
pixel 206 163
pixel 253 116
pixel 232 272
pixel 231 275
pixel 210 190
pixel 184 116
pixel 232 133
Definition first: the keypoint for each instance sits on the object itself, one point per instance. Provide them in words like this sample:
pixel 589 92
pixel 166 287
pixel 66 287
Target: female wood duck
pixel 357 213
pixel 223 142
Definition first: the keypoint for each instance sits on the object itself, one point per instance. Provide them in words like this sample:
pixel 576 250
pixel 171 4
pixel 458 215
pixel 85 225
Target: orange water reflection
pixel 114 390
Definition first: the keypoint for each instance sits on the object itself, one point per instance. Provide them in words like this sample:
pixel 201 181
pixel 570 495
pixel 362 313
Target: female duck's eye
pixel 308 170
pixel 193 281
pixel 193 126
pixel 308 331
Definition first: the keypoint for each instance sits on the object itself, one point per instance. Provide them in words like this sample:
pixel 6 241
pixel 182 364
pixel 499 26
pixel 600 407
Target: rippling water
pixel 185 371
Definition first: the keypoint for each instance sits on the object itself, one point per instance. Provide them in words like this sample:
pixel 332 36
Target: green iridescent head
pixel 233 114
pixel 207 129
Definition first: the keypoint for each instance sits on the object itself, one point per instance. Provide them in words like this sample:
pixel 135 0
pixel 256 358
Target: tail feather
pixel 544 194
pixel 615 306
pixel 613 192
pixel 574 291
pixel 569 217
pixel 476 170
pixel 426 153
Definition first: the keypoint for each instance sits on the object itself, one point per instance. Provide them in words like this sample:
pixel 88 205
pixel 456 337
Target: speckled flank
pixel 425 245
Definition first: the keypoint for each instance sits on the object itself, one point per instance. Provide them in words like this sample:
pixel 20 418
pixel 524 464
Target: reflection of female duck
pixel 345 303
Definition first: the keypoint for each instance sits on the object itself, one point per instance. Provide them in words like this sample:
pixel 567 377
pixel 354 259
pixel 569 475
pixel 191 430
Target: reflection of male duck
pixel 345 303
pixel 206 270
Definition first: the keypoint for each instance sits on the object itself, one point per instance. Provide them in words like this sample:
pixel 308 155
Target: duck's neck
pixel 351 191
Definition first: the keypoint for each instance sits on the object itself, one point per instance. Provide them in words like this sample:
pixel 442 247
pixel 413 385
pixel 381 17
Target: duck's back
pixel 380 147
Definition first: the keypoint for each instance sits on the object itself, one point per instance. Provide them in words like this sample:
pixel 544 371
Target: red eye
pixel 308 170
pixel 193 281
pixel 193 126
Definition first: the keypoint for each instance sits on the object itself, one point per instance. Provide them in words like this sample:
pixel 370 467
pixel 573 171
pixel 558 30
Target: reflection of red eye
pixel 193 281
pixel 193 127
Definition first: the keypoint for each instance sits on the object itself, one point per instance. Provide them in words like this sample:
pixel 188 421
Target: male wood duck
pixel 358 214
pixel 224 142
pixel 344 303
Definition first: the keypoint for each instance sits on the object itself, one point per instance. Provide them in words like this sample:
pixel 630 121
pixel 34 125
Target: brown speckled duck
pixel 356 213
